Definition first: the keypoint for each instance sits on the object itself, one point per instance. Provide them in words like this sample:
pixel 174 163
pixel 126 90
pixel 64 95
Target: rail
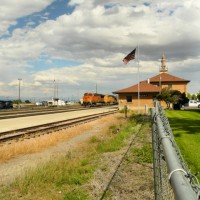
pixel 25 113
pixel 38 130
pixel 172 178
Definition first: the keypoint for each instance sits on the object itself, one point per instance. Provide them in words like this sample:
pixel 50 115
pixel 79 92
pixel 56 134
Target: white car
pixel 38 103
pixel 194 103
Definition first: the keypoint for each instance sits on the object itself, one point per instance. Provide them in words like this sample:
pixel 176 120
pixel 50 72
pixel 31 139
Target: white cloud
pixel 75 2
pixel 13 9
pixel 98 37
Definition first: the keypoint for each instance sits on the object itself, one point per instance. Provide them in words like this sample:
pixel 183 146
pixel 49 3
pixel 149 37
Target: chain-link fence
pixel 172 178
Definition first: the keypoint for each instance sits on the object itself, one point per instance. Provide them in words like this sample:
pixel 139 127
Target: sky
pixel 63 48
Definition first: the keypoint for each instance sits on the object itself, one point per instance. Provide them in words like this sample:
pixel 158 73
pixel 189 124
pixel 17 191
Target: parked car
pixel 194 103
pixel 44 103
pixel 9 104
pixel 2 104
pixel 6 104
pixel 38 103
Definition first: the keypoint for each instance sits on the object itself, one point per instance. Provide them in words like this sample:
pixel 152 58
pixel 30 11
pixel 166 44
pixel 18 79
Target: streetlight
pixel 54 89
pixel 19 91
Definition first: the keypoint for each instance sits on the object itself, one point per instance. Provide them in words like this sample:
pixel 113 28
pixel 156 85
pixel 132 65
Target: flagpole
pixel 129 57
pixel 138 80
pixel 160 85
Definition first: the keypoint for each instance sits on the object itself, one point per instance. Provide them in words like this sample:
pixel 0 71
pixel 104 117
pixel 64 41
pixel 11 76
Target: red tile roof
pixel 150 88
pixel 144 87
pixel 165 77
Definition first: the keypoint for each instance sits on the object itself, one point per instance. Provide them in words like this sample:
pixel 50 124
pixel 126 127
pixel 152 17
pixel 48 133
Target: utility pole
pixel 54 89
pixel 19 79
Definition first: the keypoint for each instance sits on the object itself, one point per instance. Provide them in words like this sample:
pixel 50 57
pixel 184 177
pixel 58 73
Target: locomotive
pixel 92 99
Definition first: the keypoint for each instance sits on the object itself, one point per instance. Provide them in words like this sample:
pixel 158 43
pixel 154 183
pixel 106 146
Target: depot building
pixel 149 89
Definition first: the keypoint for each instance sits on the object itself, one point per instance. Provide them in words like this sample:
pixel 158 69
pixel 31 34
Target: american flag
pixel 129 57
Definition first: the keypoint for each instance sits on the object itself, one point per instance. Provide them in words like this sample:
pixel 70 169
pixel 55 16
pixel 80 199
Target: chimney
pixel 148 80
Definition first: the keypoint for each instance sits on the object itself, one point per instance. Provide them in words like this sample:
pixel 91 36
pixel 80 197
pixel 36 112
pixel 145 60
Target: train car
pixel 91 99
pixel 110 100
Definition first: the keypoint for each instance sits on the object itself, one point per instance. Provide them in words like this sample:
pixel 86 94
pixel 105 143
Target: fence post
pixel 155 157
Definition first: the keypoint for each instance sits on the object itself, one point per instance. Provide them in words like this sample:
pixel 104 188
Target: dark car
pixel 8 104
pixel 2 104
pixel 44 103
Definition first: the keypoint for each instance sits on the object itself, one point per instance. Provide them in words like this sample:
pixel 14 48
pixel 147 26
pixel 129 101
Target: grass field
pixel 185 125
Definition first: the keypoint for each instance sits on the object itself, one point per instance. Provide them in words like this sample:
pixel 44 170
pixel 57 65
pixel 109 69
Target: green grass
pixel 76 194
pixel 185 126
pixel 143 154
pixel 116 142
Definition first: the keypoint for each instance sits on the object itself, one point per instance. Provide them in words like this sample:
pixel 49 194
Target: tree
pixel 188 95
pixel 198 95
pixel 194 97
pixel 174 97
pixel 17 101
pixel 165 96
pixel 27 101
pixel 183 99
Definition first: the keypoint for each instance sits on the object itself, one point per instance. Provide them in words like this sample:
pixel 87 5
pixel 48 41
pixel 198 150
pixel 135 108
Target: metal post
pixel 138 80
pixel 160 86
pixel 19 93
pixel 155 156
pixel 54 90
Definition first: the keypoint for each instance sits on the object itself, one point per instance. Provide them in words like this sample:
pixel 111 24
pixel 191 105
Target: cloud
pixel 11 10
pixel 96 36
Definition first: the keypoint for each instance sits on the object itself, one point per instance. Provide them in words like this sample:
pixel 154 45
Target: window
pixel 129 98
pixel 169 86
pixel 143 95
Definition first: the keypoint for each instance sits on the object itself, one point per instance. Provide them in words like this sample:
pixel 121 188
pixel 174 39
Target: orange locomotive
pixel 110 99
pixel 91 99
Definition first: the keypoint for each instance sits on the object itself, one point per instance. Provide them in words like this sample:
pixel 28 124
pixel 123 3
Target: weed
pixel 143 154
pixel 76 194
pixel 95 139
pixel 114 143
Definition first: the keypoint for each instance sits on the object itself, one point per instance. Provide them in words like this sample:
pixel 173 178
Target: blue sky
pixel 81 44
pixel 51 12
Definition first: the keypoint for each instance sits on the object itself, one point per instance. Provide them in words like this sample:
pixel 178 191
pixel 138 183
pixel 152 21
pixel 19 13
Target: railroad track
pixel 35 131
pixel 23 113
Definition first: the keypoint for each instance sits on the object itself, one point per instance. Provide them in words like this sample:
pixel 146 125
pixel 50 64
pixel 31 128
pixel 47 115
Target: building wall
pixel 146 102
pixel 180 87
pixel 176 86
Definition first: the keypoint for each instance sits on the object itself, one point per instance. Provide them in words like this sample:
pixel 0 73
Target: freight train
pixel 92 99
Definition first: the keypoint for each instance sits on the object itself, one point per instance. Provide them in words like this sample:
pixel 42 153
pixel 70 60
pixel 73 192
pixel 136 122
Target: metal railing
pixel 172 178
